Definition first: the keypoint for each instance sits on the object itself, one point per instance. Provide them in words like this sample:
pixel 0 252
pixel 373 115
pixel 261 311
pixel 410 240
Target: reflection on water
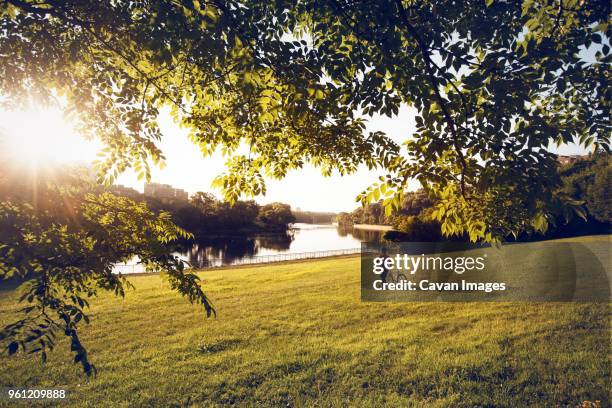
pixel 303 238
pixel 361 235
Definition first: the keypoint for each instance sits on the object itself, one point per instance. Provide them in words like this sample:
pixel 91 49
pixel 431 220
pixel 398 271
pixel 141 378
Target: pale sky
pixel 305 188
pixel 43 135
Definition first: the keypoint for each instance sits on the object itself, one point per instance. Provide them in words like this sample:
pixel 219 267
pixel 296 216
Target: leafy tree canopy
pixel 493 83
pixel 276 214
pixel 589 181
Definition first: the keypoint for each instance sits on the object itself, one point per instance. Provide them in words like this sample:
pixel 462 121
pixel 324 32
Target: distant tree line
pixel 313 217
pixel 587 181
pixel 204 214
pixel 413 204
pixel 372 213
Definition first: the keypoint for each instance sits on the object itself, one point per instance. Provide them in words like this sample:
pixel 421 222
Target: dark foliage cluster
pixel 413 204
pixel 204 215
pixel 586 181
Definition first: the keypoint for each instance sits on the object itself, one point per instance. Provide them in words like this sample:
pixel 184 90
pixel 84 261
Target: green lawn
pixel 297 334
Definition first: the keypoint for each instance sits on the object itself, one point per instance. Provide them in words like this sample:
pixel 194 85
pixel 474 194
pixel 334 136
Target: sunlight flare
pixel 40 136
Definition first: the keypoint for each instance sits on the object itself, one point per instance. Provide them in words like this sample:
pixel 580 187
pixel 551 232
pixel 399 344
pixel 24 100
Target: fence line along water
pixel 257 259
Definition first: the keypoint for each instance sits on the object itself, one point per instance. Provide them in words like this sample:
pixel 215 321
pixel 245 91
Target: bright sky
pixel 305 188
pixel 42 135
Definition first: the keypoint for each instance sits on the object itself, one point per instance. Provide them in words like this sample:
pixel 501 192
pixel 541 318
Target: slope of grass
pixel 296 334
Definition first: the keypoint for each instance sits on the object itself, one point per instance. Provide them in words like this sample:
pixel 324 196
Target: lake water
pixel 303 238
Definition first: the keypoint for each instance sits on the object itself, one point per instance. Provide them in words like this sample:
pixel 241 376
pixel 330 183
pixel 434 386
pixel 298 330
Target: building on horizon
pixel 122 190
pixel 165 193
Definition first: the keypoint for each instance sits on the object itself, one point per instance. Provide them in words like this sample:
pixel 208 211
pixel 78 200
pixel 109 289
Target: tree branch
pixel 429 65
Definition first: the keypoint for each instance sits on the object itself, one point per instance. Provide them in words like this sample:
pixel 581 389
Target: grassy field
pixel 297 334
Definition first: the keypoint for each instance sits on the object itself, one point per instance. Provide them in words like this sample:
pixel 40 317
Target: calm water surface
pixel 228 250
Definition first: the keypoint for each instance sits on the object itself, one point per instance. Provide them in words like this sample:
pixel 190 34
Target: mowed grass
pixel 297 334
